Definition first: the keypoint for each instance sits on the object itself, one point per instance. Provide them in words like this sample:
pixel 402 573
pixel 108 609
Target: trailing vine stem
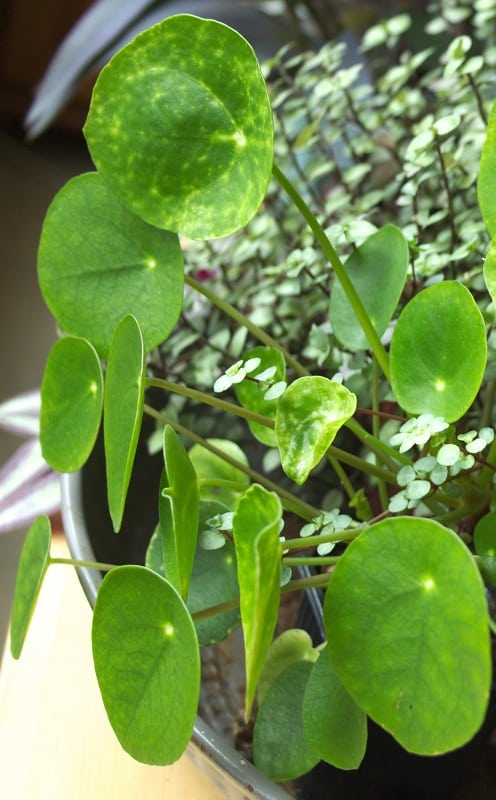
pixel 299 584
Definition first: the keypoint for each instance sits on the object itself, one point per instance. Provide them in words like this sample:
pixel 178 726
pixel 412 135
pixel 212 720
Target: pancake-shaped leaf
pixel 335 726
pixel 309 414
pixel 256 538
pixel 147 663
pixel 406 605
pixel 218 479
pixel 123 411
pixel 214 580
pixel 71 403
pixel 251 393
pixel 186 139
pixel 98 262
pixel 486 183
pixel 377 269
pixel 438 352
pixel 179 512
pixel 280 746
pixel 33 564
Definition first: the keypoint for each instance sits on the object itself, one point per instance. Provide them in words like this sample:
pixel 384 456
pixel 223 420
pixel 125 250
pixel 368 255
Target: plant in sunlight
pixel 386 494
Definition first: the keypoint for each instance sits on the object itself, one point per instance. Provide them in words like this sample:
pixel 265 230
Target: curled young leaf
pixel 123 411
pixel 256 538
pixel 179 512
pixel 309 414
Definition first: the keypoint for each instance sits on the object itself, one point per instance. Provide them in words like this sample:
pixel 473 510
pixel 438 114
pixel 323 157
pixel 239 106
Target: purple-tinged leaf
pixel 23 467
pixel 21 414
pixel 40 497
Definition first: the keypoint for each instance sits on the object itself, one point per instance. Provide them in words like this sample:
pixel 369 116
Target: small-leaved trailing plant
pixel 181 132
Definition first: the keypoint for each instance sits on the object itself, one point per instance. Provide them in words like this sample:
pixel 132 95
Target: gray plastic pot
pixel 233 775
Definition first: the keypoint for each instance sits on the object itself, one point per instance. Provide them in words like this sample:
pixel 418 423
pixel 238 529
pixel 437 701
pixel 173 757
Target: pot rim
pixel 211 752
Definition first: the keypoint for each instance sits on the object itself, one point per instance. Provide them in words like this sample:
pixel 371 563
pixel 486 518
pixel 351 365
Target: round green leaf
pixel 147 663
pixel 486 184
pixel 406 621
pixel 377 269
pixel 71 403
pixel 33 564
pixel 438 352
pixel 251 394
pixel 180 126
pixel 123 411
pixel 335 725
pixel 280 746
pixel 309 414
pixel 98 262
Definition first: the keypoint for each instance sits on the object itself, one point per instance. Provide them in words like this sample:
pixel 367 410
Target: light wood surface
pixel 55 739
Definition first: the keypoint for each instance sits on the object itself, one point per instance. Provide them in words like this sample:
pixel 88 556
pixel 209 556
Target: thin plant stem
pixel 243 320
pixel 308 542
pixel 289 501
pixel 383 495
pixel 330 253
pixel 300 584
pixel 74 562
pixel 387 454
pixel 311 561
pixel 345 481
pixel 240 411
pixel 210 400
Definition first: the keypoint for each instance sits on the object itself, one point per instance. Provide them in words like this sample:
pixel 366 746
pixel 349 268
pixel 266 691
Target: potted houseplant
pixel 183 145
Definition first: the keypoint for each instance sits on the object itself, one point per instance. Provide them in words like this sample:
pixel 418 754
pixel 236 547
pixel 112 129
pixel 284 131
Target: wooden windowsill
pixel 55 740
